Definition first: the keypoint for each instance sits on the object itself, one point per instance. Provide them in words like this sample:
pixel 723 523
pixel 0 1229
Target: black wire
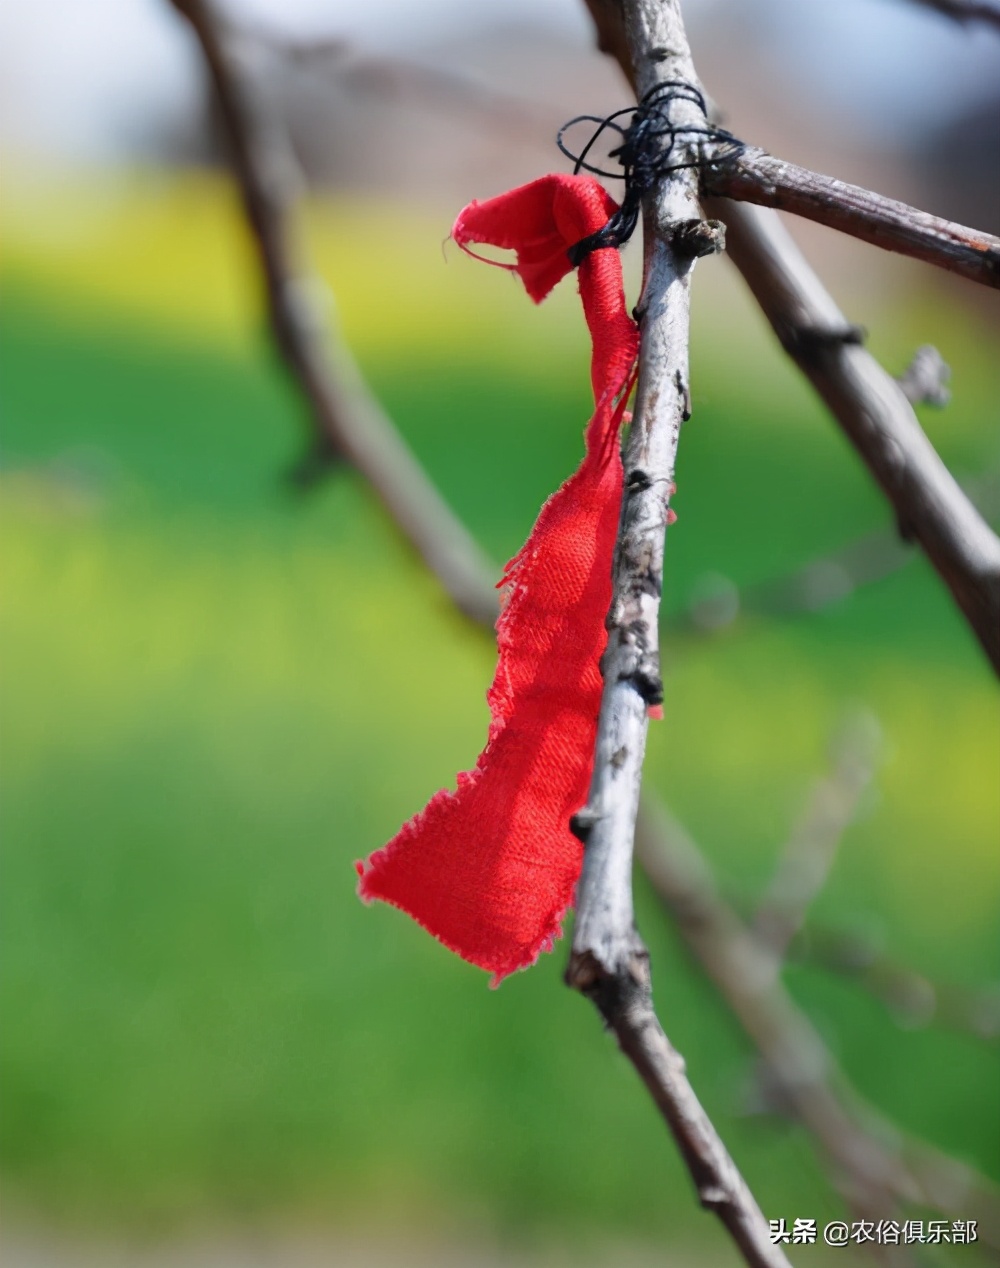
pixel 648 150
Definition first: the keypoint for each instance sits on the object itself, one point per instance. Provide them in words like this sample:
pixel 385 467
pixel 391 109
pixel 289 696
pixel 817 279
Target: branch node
pixel 808 342
pixel 713 1196
pixel 684 394
pixel 925 379
pixel 583 972
pixel 645 678
pixel 695 238
pixel 906 529
pixel 582 823
pixel 621 991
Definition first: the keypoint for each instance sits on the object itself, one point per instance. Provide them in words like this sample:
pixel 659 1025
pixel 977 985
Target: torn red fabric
pixel 490 869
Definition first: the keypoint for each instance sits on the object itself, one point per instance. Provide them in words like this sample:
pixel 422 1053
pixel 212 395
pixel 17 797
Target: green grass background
pixel 218 694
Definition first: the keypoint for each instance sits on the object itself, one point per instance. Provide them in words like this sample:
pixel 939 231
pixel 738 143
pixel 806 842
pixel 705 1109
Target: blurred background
pixel 219 691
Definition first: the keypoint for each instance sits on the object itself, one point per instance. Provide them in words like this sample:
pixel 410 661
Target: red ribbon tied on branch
pixel 490 869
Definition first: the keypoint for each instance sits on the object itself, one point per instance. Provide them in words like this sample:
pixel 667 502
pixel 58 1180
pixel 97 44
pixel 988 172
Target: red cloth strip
pixel 490 869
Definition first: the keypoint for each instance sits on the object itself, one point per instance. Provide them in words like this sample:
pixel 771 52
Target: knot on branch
pixel 695 238
pixel 621 989
pixel 582 824
pixel 807 342
pixel 645 678
pixel 656 141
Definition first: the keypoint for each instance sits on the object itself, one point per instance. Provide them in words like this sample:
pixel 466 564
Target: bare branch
pixel 875 414
pixel 344 417
pixel 869 405
pixel 604 937
pixel 752 175
pixel 749 174
pixel 626 1005
pixel 746 976
pixel 717 603
pixel 386 78
pixel 609 28
pixel 809 854
pixel 609 962
pixel 966 10
pixel 914 1000
pixel 874 1164
pixel 350 423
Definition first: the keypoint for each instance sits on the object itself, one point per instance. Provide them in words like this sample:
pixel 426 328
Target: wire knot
pixel 652 145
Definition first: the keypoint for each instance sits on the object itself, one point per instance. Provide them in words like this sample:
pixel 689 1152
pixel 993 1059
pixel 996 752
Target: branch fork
pixel 609 962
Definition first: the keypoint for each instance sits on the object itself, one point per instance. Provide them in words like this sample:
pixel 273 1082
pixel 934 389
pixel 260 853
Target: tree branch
pixel 718 603
pixel 966 10
pixel 870 406
pixel 608 961
pixel 336 393
pixel 874 1164
pixel 873 411
pixel 913 999
pixel 604 936
pixel 343 419
pixel 350 424
pixel 752 175
pixel 327 59
pixel 807 858
pixel 348 421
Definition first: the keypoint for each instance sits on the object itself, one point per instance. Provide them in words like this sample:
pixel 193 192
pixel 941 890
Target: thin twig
pixel 806 860
pixel 752 175
pixel 873 410
pixel 966 10
pixel 865 1151
pixel 350 424
pixel 266 172
pixel 870 406
pixel 826 580
pixel 718 604
pixel 609 963
pixel 650 1051
pixel 747 173
pixel 348 421
pixel 874 1164
pixel 604 937
pixel 330 60
pixel 914 1000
